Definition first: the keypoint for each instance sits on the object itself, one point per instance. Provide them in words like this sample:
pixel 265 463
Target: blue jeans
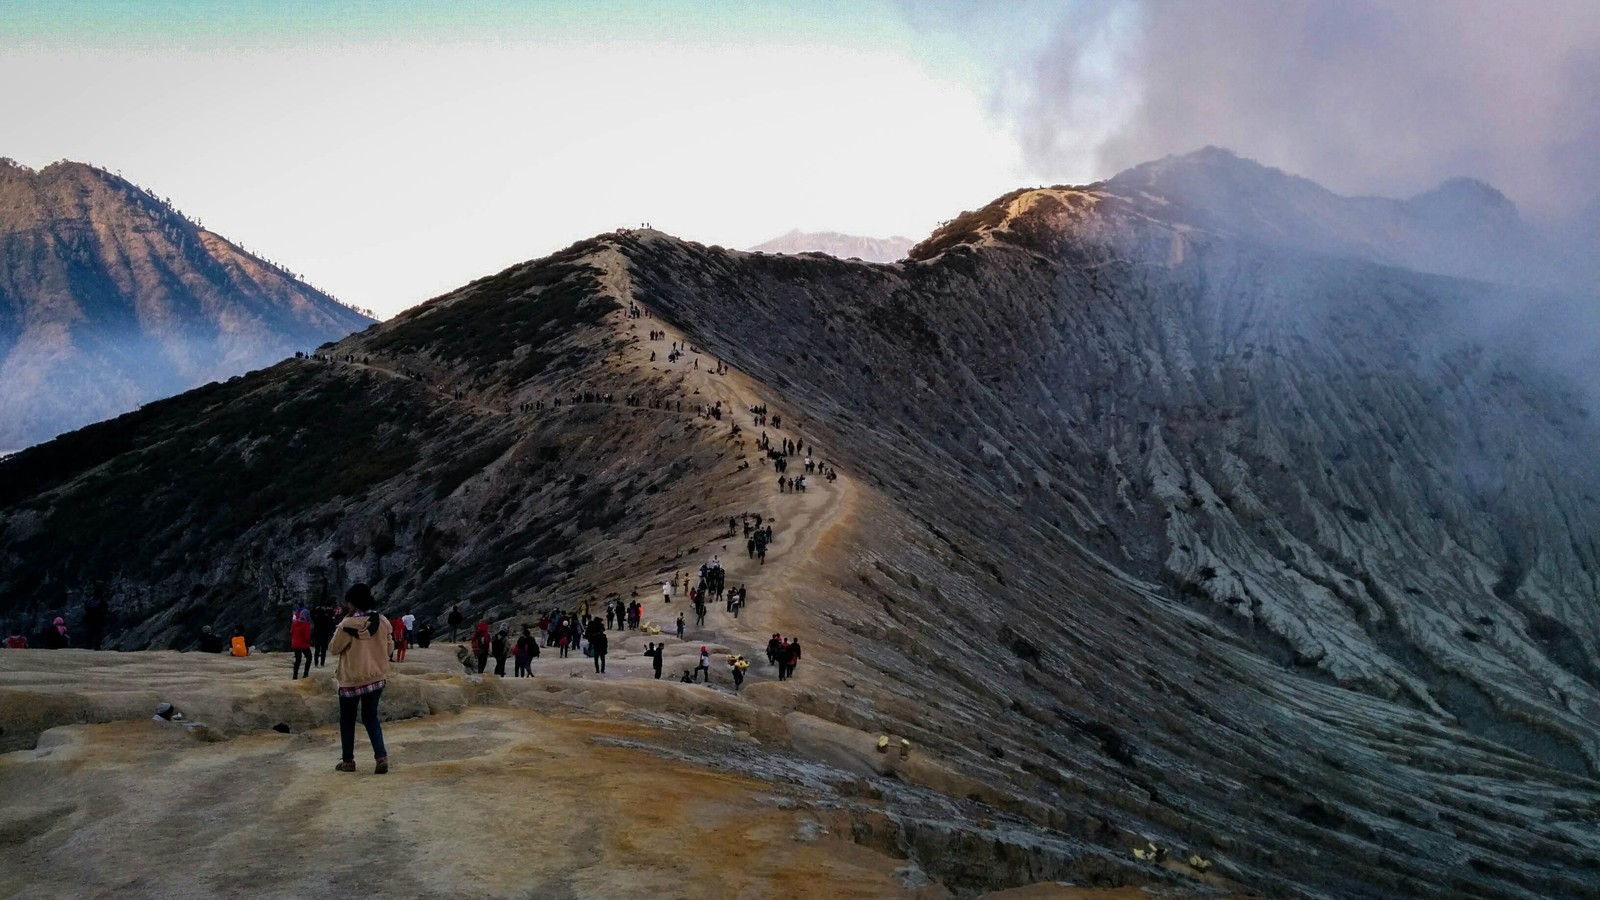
pixel 369 717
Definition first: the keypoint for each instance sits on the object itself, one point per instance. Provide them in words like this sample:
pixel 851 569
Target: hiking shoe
pixel 346 766
pixel 382 767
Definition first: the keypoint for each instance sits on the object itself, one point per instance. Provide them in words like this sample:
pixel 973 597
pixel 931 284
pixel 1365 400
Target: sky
pixel 390 151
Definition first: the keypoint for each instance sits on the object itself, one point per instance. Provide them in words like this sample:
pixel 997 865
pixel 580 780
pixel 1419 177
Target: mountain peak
pixel 1465 200
pixel 119 299
pixel 838 244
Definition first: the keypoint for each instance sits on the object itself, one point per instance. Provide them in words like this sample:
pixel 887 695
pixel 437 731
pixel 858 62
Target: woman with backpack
pixel 361 642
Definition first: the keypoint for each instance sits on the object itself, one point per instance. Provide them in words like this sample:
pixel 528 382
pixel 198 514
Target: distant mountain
pixel 110 298
pixel 1463 227
pixel 843 246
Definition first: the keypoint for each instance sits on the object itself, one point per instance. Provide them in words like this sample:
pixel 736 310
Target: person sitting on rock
pixel 15 641
pixel 210 642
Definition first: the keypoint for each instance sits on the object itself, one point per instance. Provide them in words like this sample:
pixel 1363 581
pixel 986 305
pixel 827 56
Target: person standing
pixel 680 626
pixel 598 644
pixel 455 623
pixel 653 651
pixel 361 644
pixel 793 656
pixel 520 655
pixel 322 619
pixel 94 617
pixel 300 640
pixel 704 666
pixel 400 638
pixel 480 644
pixel 666 592
pixel 498 647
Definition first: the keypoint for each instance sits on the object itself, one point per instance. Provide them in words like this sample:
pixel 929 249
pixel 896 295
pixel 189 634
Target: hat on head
pixel 59 621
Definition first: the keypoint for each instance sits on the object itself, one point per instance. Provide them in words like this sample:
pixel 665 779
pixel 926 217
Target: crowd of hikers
pixel 365 642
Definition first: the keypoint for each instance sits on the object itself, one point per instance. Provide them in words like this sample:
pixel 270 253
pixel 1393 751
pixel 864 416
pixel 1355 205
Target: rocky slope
pixel 109 299
pixel 1147 532
pixel 843 246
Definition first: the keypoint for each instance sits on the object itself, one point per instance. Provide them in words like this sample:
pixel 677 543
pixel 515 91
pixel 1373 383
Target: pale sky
pixel 391 158
pixel 390 150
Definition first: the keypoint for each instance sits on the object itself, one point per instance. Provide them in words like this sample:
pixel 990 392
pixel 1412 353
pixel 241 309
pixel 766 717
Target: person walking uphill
pixel 361 643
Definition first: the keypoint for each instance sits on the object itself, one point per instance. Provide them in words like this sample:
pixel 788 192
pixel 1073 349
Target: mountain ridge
pixel 1157 535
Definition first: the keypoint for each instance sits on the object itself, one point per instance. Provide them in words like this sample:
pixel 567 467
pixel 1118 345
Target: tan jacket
pixel 364 659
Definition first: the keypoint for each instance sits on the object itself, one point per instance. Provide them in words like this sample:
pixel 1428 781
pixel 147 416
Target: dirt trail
pixel 800 521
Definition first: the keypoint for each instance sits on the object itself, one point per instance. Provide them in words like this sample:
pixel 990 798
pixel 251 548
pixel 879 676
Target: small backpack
pixel 239 648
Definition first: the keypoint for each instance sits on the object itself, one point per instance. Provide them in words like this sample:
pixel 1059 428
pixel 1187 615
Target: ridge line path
pixel 800 521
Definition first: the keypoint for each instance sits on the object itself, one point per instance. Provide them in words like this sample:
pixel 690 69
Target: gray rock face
pixel 1332 460
pixel 109 298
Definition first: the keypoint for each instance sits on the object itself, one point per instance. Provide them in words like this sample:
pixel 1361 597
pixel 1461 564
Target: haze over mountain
pixel 1199 506
pixel 109 298
pixel 843 246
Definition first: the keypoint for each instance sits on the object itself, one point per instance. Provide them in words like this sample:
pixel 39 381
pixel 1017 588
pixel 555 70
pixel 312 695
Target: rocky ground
pixel 562 785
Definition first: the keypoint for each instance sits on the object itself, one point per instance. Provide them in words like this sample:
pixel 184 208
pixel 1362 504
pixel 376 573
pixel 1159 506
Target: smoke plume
pixel 1364 96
